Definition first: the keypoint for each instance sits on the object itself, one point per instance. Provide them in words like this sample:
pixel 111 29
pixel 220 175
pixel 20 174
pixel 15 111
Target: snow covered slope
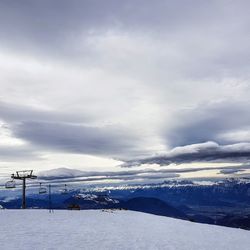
pixel 96 229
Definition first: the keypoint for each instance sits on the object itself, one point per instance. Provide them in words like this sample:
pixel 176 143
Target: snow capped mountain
pixel 221 202
pixel 101 199
pixel 112 229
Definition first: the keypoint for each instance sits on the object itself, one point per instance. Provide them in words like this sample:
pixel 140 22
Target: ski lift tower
pixel 23 175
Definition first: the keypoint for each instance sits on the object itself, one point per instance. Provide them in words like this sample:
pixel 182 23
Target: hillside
pixel 97 229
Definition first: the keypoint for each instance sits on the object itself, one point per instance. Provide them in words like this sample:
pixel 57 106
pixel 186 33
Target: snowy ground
pixel 94 229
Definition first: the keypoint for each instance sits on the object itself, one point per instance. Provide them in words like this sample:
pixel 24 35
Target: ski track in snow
pixel 95 229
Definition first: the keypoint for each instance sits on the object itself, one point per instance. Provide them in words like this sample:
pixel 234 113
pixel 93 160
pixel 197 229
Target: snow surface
pixel 97 229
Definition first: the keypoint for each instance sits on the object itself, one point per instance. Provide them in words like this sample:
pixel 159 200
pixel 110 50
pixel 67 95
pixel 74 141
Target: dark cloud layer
pixel 60 131
pixel 208 121
pixel 47 21
pixel 51 27
pixel 204 152
pixel 47 130
pixel 75 138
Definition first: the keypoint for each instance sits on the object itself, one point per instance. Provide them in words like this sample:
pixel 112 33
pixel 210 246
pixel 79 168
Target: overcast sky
pixel 110 85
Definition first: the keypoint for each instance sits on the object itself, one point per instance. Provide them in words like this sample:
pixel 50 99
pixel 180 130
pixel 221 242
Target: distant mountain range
pixel 223 202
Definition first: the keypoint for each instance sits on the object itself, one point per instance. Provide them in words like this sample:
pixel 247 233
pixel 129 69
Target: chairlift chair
pixel 65 190
pixel 10 184
pixel 42 190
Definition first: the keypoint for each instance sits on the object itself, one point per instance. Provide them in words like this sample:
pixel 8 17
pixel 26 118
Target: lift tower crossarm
pixel 23 175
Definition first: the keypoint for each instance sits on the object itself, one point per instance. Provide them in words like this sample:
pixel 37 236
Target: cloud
pixel 231 171
pixel 100 78
pixel 211 121
pixel 55 25
pixel 65 137
pixel 61 30
pixel 203 152
pixel 50 130
pixel 10 112
pixel 73 175
pixel 19 153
